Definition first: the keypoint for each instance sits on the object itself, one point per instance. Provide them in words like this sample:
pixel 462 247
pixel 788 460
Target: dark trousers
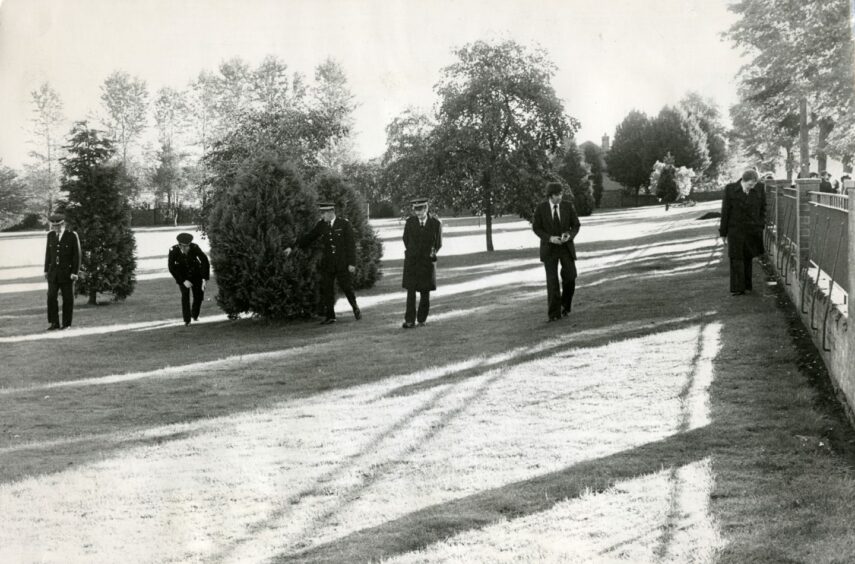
pixel 740 274
pixel 67 289
pixel 424 307
pixel 559 298
pixel 198 297
pixel 328 297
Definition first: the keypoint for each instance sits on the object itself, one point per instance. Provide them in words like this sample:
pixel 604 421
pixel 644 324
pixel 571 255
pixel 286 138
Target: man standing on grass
pixel 556 224
pixel 62 265
pixel 189 265
pixel 743 216
pixel 422 239
pixel 338 262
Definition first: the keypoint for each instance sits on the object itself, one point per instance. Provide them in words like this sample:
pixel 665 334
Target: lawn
pixel 663 421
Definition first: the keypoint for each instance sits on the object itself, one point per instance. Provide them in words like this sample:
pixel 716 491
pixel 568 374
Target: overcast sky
pixel 612 55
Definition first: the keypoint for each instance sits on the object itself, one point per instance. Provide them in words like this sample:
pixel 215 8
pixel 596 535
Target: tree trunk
pixel 804 153
pixel 825 127
pixel 93 295
pixel 488 209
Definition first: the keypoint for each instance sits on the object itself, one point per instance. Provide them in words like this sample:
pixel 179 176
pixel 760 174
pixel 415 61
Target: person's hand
pixel 351 269
pixel 555 240
pixel 73 277
pixel 204 283
pixel 287 252
pixel 565 237
pixel 188 284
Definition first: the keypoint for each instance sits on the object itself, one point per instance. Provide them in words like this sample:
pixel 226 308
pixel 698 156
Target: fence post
pixel 803 233
pixel 849 190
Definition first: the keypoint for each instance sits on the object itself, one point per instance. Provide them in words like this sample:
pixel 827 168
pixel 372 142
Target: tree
pixel 366 177
pixel 575 173
pixel 762 140
pixel 126 101
pixel 801 57
pixel 669 182
pixel 629 160
pixel 331 187
pixel 332 97
pixel 594 157
pixel 13 197
pixel 171 115
pixel 674 131
pixel 47 117
pixel 408 164
pixel 498 113
pixel 251 224
pixel 705 112
pixel 96 207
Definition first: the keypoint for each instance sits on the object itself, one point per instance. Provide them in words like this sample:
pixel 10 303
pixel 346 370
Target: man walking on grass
pixel 422 240
pixel 556 224
pixel 189 266
pixel 743 216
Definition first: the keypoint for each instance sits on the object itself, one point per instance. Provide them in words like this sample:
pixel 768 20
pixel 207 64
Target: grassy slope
pixel 489 435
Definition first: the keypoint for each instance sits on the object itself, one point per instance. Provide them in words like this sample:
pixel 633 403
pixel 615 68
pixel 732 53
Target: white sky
pixel 613 55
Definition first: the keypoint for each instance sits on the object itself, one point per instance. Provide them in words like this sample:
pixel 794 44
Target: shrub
pixel 250 225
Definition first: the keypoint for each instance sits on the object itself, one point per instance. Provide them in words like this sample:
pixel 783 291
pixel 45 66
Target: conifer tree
pixel 97 209
pixel 250 225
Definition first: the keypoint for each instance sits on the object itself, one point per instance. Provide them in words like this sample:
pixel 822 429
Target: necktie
pixel 555 215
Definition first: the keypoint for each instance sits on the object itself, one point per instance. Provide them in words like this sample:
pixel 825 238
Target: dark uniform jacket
pixel 193 266
pixel 339 247
pixel 421 245
pixel 545 228
pixel 743 217
pixel 62 255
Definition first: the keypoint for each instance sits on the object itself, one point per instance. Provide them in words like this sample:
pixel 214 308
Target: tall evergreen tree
pixel 96 207
pixel 594 157
pixel 573 170
pixel 629 159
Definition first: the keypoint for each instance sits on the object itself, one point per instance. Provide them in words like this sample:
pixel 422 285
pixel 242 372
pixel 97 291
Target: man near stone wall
pixel 743 215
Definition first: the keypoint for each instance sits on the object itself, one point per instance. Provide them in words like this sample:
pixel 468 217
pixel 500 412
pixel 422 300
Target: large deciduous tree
pixel 46 120
pixel 98 210
pixel 331 96
pixel 125 100
pixel 13 197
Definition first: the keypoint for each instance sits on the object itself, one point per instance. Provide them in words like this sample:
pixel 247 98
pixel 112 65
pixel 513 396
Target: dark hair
pixel 750 174
pixel 553 188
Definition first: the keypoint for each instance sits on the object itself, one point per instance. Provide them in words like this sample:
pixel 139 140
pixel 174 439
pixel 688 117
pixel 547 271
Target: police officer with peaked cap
pixel 189 266
pixel 62 266
pixel 422 240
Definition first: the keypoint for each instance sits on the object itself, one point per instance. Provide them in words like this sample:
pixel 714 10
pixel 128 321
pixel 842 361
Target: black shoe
pixel 554 318
pixel 186 324
pixel 53 327
pixel 406 325
pixel 565 312
pixel 737 293
pixel 196 318
pixel 66 327
pixel 357 313
pixel 421 324
pixel 328 321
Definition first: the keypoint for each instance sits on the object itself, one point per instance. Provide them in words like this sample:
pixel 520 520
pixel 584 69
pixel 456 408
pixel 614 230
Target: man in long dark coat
pixel 62 266
pixel 422 240
pixel 189 266
pixel 338 262
pixel 556 224
pixel 743 216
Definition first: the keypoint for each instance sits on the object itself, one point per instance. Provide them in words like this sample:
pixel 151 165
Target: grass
pixel 664 421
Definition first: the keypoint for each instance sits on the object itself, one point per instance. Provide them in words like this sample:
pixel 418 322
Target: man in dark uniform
pixel 189 265
pixel 422 240
pixel 62 265
pixel 338 262
pixel 743 216
pixel 556 224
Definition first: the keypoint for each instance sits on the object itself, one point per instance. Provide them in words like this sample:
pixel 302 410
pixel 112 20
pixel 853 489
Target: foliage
pixel 674 131
pixel 331 187
pixel 47 117
pixel 670 183
pixel 331 97
pixel 628 160
pixel 251 223
pixel 705 112
pixel 572 169
pixel 13 197
pixel 97 210
pixel 125 99
pixel 594 157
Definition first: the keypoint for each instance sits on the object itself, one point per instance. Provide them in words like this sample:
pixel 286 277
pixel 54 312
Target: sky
pixel 612 55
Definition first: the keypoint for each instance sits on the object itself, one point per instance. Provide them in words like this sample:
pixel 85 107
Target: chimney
pixel 605 145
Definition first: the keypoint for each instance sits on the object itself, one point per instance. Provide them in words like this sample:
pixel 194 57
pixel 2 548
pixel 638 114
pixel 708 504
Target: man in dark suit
pixel 743 216
pixel 189 266
pixel 556 224
pixel 422 240
pixel 62 265
pixel 338 261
